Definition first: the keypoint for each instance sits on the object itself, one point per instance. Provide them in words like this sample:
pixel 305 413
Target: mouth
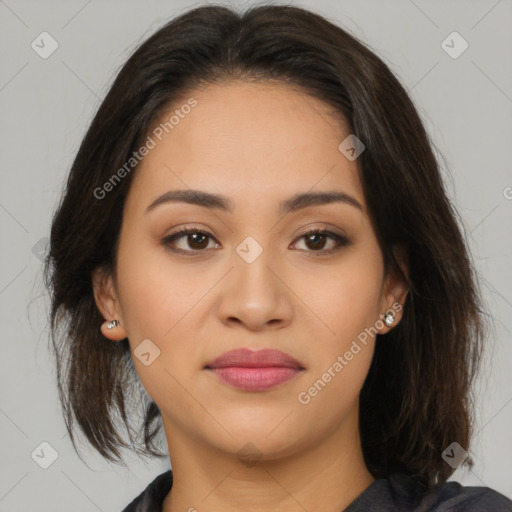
pixel 250 370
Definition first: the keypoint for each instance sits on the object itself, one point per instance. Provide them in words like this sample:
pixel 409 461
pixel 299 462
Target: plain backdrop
pixel 46 106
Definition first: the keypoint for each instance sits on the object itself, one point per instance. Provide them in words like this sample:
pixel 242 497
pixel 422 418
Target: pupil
pixel 197 235
pixel 316 244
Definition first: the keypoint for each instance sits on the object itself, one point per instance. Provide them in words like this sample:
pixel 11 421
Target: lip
pixel 251 370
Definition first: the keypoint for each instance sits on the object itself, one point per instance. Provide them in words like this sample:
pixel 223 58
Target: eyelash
pixel 340 240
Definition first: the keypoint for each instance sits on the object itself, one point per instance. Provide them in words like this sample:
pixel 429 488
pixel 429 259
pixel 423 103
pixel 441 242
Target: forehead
pixel 259 139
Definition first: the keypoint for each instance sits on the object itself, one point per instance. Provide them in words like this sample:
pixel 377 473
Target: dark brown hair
pixel 417 397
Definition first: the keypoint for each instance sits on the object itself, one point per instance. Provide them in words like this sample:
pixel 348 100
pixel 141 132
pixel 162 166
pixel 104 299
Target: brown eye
pixel 316 239
pixel 195 240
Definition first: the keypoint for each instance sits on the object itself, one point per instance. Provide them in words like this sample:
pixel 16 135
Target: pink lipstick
pixel 254 370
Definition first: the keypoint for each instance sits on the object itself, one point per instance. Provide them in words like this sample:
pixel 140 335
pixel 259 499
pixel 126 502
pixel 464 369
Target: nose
pixel 255 295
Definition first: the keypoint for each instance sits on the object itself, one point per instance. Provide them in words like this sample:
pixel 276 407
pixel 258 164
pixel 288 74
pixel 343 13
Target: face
pixel 250 274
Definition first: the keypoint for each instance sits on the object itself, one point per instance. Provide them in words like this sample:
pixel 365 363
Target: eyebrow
pixel 220 202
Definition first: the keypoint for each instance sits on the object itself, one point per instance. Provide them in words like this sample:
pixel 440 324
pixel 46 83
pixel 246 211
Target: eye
pixel 197 241
pixel 316 239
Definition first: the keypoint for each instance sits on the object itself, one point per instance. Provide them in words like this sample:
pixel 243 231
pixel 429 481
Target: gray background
pixel 47 104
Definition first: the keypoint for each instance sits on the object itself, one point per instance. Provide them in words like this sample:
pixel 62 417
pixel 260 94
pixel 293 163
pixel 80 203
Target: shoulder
pixel 448 496
pixel 400 492
pixel 152 497
pixel 454 497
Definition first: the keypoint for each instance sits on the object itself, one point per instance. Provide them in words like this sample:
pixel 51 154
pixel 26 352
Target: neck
pixel 325 476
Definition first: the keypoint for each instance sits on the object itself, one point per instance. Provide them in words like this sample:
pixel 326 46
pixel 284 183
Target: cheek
pixel 347 296
pixel 159 303
pixel 155 293
pixel 348 304
pixel 155 302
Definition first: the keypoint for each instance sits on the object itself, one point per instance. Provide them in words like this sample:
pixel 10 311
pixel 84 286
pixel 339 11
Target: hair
pixel 417 397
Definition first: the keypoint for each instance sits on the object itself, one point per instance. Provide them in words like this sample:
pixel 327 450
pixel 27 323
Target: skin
pixel 258 144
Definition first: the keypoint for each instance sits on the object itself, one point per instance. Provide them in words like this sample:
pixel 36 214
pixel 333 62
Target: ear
pixel 395 289
pixel 105 298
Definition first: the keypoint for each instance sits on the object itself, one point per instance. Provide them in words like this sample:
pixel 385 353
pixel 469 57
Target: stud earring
pixel 389 319
pixel 112 324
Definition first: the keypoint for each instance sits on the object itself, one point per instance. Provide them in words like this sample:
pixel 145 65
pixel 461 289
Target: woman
pixel 256 231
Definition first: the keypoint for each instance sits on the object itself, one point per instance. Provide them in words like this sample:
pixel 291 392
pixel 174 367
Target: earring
pixel 112 324
pixel 389 319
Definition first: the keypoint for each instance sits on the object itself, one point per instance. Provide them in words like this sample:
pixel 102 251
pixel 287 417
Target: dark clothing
pixel 397 493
